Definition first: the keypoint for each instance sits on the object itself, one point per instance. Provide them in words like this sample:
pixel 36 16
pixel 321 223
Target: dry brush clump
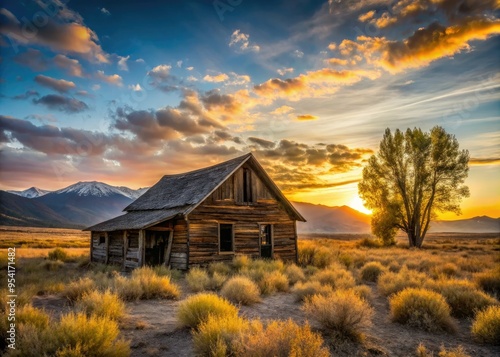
pixel 58 254
pixel 104 304
pixel 74 335
pixel 144 283
pixel 216 336
pixel 196 309
pixel 241 290
pixel 197 279
pixel 391 283
pixel 462 296
pixel 302 291
pixel 422 309
pixel 76 289
pixel 273 282
pixel 280 338
pixel 342 313
pixel 458 351
pixel 486 326
pixel 489 281
pixel 335 276
pixel 294 273
pixel 371 271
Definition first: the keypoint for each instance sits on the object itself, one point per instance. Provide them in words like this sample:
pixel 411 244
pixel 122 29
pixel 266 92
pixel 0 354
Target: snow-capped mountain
pixel 31 192
pixel 99 189
pixel 133 194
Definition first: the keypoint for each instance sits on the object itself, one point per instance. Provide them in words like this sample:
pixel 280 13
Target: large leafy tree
pixel 413 175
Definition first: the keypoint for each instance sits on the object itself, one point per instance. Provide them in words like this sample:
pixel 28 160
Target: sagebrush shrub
pixel 217 334
pixel 52 265
pixel 421 308
pixel 489 281
pixel 74 335
pixel 371 271
pixel 241 262
pixel 294 274
pixel 462 296
pixel 197 279
pixel 486 326
pixel 58 254
pixel 76 289
pixel 196 309
pixel 280 338
pixel 342 312
pixel 336 277
pixel 241 290
pixel 155 286
pixel 273 282
pixel 106 304
pixel 305 290
pixel 389 282
pixel 90 335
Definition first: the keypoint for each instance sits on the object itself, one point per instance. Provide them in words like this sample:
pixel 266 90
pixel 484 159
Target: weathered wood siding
pixel 99 250
pixel 116 248
pixel 179 253
pixel 132 254
pixel 226 205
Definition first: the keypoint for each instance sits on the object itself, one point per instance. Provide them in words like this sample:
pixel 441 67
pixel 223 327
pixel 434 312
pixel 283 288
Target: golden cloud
pixel 221 77
pixel 304 117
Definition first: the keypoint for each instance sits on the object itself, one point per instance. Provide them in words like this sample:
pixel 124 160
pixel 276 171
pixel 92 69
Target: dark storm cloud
pixel 62 103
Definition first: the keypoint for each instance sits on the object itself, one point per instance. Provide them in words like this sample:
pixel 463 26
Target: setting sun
pixel 357 203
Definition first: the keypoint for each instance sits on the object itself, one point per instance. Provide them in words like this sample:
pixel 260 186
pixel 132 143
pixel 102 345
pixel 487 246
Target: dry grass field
pixel 347 296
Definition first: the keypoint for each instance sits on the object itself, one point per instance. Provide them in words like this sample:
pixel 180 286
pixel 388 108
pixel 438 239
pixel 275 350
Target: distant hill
pixel 343 219
pixel 325 219
pixel 16 210
pixel 86 203
pixel 483 224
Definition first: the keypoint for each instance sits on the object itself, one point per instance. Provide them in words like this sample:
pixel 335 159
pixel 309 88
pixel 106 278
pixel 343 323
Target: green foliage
pixel 421 308
pixel 413 175
pixel 486 326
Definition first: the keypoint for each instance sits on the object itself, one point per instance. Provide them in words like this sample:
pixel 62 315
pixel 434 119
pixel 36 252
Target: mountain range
pixel 86 203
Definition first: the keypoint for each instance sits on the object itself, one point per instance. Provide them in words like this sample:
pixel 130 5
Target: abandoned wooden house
pixel 211 214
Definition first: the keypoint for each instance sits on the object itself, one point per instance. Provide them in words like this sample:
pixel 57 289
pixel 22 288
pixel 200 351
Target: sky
pixel 126 92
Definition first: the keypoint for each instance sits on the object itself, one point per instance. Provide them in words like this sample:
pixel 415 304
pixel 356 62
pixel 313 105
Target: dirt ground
pixel 152 328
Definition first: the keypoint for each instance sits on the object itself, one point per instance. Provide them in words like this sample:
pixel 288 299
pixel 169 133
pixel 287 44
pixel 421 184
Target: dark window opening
pixel 226 237
pixel 265 234
pixel 247 185
pixel 102 239
pixel 266 242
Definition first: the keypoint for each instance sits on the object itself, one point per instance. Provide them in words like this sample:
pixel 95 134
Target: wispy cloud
pixel 241 41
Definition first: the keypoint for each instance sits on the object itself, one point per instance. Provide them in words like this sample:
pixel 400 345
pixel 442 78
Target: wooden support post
pixel 125 248
pixel 91 244
pixel 169 248
pixel 141 251
pixel 106 240
pixel 296 238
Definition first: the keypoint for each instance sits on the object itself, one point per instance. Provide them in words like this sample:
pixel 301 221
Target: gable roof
pixel 180 194
pixel 188 188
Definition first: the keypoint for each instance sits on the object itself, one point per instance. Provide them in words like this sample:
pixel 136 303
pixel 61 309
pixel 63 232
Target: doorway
pixel 155 246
